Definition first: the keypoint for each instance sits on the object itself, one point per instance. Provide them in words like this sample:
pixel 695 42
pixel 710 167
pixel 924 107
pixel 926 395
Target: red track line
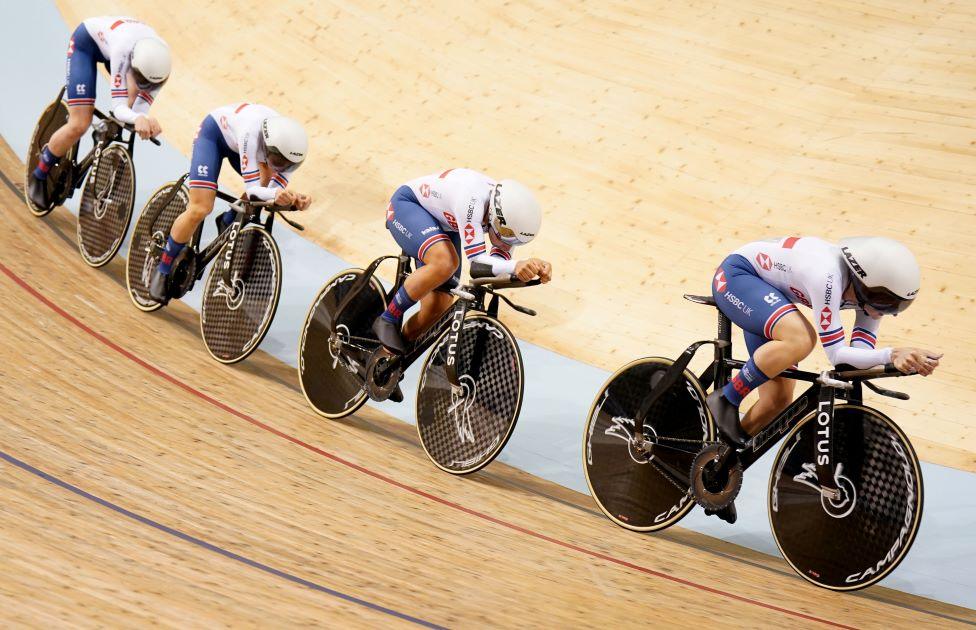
pixel 481 515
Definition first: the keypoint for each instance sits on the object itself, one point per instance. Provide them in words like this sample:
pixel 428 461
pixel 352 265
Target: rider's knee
pixel 795 330
pixel 443 261
pixel 198 211
pixel 78 123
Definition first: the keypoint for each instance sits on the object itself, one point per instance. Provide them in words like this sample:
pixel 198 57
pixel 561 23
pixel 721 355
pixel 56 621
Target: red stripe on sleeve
pixel 790 242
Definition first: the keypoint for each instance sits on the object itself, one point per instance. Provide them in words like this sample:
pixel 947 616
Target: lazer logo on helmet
pixel 853 263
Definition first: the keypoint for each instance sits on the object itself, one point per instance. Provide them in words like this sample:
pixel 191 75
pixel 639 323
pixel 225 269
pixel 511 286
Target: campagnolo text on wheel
pixel 845 491
pixel 355 346
pixel 243 287
pixel 138 62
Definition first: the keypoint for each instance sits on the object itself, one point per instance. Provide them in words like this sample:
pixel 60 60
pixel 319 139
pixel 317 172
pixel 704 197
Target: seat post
pixel 722 351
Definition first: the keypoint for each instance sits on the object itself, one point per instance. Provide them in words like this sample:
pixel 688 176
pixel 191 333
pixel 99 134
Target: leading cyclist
pixel 758 287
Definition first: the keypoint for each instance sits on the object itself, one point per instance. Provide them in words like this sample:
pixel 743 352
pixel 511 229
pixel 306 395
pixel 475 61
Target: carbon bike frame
pixel 819 398
pixel 452 321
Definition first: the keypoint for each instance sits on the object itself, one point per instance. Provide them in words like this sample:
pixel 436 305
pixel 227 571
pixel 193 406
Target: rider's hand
pixel 285 197
pixel 546 274
pixel 302 202
pixel 143 126
pixel 530 268
pixel 154 127
pixel 915 360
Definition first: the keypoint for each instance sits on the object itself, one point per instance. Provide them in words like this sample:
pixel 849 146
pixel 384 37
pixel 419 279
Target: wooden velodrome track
pixel 143 482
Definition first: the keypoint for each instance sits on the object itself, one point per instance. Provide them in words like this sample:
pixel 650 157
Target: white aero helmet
pixel 884 272
pixel 285 140
pixel 151 62
pixel 514 215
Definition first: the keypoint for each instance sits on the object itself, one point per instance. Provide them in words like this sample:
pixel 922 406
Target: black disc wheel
pixel 54 116
pixel 239 303
pixel 149 239
pixel 332 367
pixel 854 537
pixel 644 485
pixel 106 205
pixel 464 427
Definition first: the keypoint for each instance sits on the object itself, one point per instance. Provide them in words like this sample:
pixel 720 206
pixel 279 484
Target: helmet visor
pixel 277 161
pixel 880 299
pixel 143 83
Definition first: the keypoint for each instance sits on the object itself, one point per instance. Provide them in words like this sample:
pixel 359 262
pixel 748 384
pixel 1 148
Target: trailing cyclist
pixel 138 62
pixel 264 148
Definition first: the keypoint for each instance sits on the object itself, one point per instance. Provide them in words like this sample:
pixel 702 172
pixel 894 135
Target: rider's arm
pixel 144 100
pixel 251 172
pixel 120 90
pixel 476 250
pixel 861 353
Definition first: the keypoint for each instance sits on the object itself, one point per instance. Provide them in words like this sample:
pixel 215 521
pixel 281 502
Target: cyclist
pixel 758 287
pixel 430 216
pixel 264 147
pixel 138 62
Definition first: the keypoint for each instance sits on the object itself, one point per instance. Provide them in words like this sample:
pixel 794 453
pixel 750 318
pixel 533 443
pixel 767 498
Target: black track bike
pixel 242 290
pixel 471 383
pixel 845 492
pixel 106 172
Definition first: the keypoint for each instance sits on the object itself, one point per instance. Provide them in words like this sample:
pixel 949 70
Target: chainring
pixel 383 374
pixel 712 487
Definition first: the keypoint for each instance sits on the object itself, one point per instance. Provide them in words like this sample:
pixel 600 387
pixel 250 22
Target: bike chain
pixel 666 474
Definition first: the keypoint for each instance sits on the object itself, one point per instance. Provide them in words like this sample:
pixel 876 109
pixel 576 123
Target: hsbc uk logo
pixel 825 318
pixel 720 282
pixel 766 262
pixel 468 233
pixel 425 190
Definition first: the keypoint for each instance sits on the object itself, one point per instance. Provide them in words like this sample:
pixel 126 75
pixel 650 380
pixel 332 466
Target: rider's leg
pixel 774 396
pixel 201 204
pixel 209 150
pixel 758 308
pixel 793 340
pixel 432 307
pixel 440 261
pixel 79 120
pixel 83 57
pixel 420 236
